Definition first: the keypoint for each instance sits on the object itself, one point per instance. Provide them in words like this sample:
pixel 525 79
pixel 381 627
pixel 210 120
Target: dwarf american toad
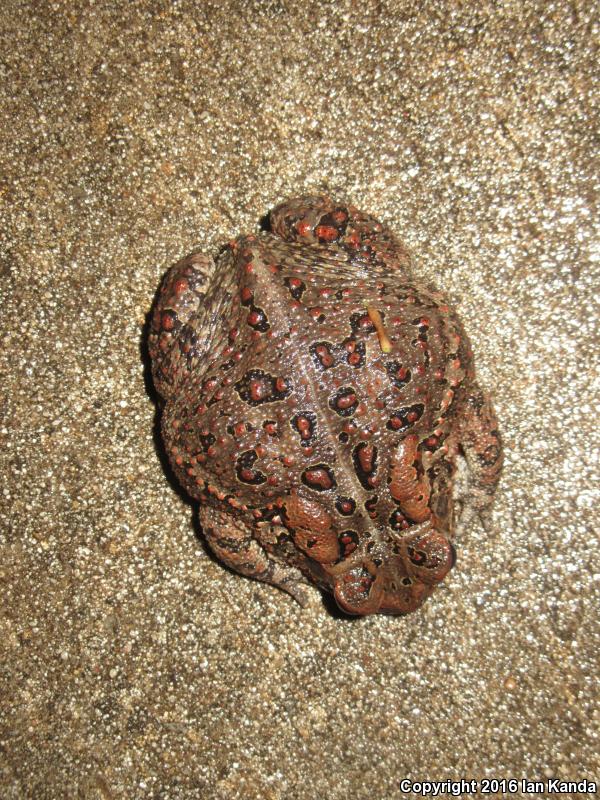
pixel 315 400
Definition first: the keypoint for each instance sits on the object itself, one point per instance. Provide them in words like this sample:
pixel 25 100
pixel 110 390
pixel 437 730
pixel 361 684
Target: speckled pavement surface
pixel 132 664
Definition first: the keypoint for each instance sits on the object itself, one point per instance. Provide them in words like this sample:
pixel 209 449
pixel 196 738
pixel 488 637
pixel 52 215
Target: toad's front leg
pixel 191 312
pixel 233 542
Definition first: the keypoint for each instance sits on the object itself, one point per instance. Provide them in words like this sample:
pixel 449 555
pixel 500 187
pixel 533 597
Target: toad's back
pixel 298 389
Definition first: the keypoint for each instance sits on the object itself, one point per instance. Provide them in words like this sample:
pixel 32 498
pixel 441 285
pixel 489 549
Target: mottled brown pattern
pixel 316 397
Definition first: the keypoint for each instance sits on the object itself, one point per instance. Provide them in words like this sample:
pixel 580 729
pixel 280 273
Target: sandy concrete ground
pixel 133 665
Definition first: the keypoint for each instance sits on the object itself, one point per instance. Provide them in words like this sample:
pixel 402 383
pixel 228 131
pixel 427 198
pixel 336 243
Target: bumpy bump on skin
pixel 315 400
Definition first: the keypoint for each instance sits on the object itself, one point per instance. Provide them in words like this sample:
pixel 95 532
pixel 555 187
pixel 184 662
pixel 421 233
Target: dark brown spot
pixel 206 441
pixel 244 469
pixel 296 287
pixel 322 354
pixel 306 425
pixel 348 542
pixel 399 375
pixel 238 429
pixel 398 521
pixel 188 341
pixel 452 556
pixel 361 323
pixel 371 506
pixel 346 506
pixel 402 419
pixel 319 477
pixel 344 402
pixel 431 444
pixel 258 387
pixel 257 319
pixel 364 456
pixel 418 557
pixel 268 512
pixel 355 352
pixel 270 426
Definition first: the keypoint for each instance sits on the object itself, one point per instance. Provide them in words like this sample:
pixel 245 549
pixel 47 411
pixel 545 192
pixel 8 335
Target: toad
pixel 316 397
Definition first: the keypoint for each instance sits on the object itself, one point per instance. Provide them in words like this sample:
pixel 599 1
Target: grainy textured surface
pixel 133 665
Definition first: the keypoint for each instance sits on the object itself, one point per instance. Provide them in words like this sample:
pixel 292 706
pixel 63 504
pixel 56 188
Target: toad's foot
pixel 231 540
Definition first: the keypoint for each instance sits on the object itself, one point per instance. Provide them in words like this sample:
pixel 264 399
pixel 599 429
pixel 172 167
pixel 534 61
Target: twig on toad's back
pixel 375 317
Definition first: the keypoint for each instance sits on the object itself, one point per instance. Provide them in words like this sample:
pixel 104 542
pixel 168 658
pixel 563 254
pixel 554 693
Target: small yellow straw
pixel 384 342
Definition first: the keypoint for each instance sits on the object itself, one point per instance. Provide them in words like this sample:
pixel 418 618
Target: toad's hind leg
pixel 482 447
pixel 231 540
pixel 320 219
